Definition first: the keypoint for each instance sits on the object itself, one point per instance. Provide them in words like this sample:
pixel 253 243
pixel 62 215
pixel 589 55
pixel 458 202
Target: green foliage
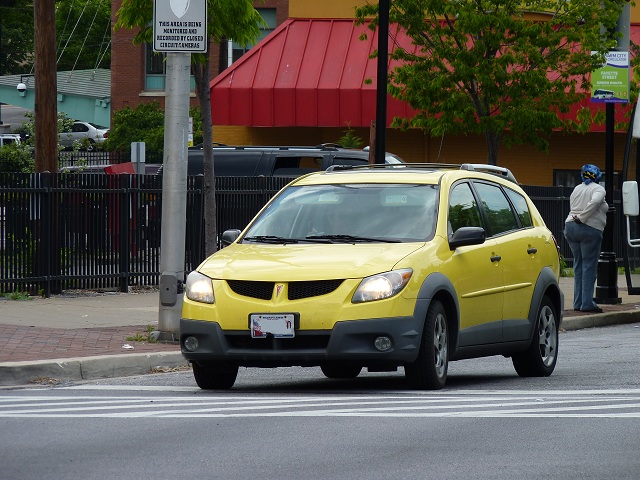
pixel 483 67
pixel 83 34
pixel 16 295
pixel 237 19
pixel 350 139
pixel 17 158
pixel 83 31
pixel 16 40
pixel 144 123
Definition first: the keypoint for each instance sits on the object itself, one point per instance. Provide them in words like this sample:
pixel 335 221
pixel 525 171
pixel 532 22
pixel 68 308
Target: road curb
pixel 600 320
pixel 87 368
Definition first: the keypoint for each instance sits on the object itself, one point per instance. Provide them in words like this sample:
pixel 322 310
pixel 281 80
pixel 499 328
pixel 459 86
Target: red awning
pixel 306 73
pixel 312 73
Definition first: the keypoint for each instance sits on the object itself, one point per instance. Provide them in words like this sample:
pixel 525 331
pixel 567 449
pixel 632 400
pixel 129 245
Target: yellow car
pixel 380 267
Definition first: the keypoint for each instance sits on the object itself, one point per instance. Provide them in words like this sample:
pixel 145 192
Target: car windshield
pixel 348 213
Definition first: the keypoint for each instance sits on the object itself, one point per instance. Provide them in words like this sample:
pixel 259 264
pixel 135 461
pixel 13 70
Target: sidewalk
pixel 100 335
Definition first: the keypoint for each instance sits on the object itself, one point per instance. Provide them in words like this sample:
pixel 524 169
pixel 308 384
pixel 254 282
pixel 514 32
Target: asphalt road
pixel 580 423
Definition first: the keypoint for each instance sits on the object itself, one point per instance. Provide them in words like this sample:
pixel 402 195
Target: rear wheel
pixel 215 377
pixel 539 360
pixel 429 371
pixel 336 370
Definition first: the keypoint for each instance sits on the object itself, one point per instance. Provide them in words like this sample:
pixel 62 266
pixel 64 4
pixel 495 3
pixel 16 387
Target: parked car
pixel 270 161
pixel 87 133
pixel 381 266
pixel 9 139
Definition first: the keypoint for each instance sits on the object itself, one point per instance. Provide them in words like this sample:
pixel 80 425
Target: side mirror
pixel 467 236
pixel 229 236
pixel 630 202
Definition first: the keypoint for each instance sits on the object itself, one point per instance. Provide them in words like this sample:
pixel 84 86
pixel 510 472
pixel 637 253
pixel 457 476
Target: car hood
pixel 304 261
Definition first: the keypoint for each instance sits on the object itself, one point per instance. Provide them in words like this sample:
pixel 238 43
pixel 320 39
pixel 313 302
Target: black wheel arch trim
pixel 437 285
pixel 547 284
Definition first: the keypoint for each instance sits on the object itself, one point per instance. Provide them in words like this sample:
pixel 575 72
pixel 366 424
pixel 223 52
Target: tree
pixel 225 19
pixel 144 123
pixel 16 36
pixel 83 32
pixel 485 67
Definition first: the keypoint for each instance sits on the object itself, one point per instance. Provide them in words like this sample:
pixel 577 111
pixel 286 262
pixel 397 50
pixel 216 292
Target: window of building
pixel 236 50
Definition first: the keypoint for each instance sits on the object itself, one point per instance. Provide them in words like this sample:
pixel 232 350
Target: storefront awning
pixel 306 73
pixel 317 73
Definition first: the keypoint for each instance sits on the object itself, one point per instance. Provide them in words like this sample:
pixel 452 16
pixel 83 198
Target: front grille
pixel 298 290
pixel 261 290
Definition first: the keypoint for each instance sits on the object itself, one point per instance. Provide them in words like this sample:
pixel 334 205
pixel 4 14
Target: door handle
pixel 531 250
pixel 495 258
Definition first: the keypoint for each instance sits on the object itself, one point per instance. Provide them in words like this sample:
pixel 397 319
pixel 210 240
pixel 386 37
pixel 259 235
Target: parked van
pixel 251 161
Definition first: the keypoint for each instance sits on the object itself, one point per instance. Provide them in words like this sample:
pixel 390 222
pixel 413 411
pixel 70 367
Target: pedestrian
pixel 583 230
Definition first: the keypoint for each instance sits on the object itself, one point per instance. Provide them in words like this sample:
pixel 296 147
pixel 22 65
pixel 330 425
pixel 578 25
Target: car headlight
pixel 199 288
pixel 382 285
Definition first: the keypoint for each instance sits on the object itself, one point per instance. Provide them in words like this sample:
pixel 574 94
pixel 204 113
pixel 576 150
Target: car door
pixel 478 273
pixel 517 247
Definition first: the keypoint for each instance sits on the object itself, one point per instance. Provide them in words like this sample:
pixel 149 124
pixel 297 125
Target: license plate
pixel 280 325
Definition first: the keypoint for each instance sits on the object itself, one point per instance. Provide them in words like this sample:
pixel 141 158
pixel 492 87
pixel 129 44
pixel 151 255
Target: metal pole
pixel 607 279
pixel 381 86
pixel 174 194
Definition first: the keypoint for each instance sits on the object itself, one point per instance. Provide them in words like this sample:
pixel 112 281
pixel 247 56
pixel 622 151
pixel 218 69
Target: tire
pixel 429 371
pixel 91 146
pixel 336 370
pixel 215 377
pixel 539 360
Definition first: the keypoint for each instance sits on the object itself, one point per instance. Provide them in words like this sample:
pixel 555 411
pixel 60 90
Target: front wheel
pixel 215 377
pixel 429 371
pixel 539 360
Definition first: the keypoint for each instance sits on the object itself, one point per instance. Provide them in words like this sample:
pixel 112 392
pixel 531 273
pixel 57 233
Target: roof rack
pixel 477 167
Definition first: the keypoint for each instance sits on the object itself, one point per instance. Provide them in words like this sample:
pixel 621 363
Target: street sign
pixel 610 83
pixel 180 26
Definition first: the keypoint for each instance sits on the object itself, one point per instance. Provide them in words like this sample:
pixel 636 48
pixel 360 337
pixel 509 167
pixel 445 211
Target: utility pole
pixel 46 88
pixel 166 17
pixel 381 85
pixel 174 193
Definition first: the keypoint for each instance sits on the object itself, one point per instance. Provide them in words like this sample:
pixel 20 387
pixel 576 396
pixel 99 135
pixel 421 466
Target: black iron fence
pixel 95 231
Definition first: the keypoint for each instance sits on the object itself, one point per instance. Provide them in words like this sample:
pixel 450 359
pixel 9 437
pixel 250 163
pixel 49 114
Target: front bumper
pixel 349 341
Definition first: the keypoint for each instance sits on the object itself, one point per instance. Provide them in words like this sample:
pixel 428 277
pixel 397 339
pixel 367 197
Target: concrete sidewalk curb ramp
pixel 87 368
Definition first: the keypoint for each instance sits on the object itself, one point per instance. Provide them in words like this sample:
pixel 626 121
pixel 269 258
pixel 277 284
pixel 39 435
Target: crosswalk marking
pixel 168 403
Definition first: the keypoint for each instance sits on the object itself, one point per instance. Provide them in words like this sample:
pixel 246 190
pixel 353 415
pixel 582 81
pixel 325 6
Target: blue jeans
pixel 585 244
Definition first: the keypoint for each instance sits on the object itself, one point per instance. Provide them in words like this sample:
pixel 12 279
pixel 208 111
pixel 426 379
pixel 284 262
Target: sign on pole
pixel 610 83
pixel 180 26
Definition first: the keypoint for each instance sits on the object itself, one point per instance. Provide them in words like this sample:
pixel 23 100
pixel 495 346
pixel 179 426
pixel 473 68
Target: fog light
pixel 382 343
pixel 191 344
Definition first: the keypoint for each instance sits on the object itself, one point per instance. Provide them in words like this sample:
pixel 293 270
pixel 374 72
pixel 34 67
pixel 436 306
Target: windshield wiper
pixel 271 239
pixel 350 239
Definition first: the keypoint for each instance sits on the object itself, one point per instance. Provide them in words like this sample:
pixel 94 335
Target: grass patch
pixel 16 296
pixel 143 337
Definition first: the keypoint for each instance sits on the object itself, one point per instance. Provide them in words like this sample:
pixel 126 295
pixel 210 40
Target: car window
pixel 463 209
pixel 388 212
pixel 79 127
pixel 521 206
pixel 497 208
pixel 296 165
